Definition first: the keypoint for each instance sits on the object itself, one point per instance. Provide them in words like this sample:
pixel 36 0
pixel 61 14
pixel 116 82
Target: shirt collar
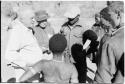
pixel 22 25
pixel 117 31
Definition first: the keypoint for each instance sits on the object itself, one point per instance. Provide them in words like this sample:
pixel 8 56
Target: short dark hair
pixel 57 43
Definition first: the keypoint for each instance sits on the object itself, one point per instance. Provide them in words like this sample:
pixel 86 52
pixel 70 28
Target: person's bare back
pixel 57 71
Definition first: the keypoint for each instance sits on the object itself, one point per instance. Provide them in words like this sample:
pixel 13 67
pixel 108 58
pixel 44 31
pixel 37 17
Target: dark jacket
pixel 112 51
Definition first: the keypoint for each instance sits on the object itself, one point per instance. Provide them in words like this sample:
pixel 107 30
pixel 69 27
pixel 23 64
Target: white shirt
pixel 22 46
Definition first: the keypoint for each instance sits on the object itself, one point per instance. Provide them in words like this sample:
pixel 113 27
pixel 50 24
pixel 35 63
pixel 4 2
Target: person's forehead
pixel 27 13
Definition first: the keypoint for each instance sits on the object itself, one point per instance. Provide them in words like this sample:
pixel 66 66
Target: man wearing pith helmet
pixel 72 30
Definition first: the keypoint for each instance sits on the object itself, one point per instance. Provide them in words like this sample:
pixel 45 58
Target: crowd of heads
pixel 110 18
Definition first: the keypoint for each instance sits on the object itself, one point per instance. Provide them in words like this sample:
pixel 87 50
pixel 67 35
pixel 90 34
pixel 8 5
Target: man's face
pixel 43 24
pixel 115 19
pixel 109 19
pixel 72 21
pixel 28 19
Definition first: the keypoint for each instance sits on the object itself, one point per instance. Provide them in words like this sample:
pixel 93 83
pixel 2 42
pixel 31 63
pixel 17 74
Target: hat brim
pixel 41 18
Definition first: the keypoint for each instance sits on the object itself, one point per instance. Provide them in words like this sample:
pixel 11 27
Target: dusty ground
pixel 56 10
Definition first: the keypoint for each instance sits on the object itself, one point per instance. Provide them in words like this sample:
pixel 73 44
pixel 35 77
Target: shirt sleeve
pixel 13 47
pixel 106 67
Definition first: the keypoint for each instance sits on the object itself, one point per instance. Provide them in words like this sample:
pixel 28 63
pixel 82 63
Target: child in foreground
pixel 55 70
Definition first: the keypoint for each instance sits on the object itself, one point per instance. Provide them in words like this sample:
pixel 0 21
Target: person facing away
pixel 113 48
pixel 55 70
pixel 80 61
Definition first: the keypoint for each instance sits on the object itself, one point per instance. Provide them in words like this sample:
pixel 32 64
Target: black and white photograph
pixel 61 42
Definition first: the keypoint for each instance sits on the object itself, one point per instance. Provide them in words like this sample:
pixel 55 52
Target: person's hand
pixel 16 66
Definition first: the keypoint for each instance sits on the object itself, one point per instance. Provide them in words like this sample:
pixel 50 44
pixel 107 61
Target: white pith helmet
pixel 72 12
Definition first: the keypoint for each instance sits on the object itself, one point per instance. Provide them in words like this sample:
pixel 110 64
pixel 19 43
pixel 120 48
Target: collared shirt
pixel 73 35
pixel 111 53
pixel 22 46
pixel 43 35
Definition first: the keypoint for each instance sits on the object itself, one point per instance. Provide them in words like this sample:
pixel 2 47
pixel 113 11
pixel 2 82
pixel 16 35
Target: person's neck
pixel 58 57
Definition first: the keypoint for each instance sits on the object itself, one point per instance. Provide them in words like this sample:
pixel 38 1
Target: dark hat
pixel 89 34
pixel 57 43
pixel 41 15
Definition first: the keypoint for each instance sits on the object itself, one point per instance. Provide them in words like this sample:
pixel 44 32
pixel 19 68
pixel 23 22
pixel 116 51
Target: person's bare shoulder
pixel 74 74
pixel 71 67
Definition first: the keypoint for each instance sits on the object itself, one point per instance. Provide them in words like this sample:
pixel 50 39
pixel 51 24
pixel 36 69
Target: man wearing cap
pixel 43 31
pixel 113 48
pixel 72 30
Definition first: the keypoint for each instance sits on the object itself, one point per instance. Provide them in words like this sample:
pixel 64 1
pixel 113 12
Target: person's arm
pixel 74 76
pixel 106 67
pixel 36 68
pixel 28 74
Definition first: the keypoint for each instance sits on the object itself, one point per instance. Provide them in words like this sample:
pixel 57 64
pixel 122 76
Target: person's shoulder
pixel 70 65
pixel 105 38
pixel 117 37
pixel 110 42
pixel 44 61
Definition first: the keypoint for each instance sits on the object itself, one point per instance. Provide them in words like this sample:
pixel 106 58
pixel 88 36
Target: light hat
pixel 41 15
pixel 72 12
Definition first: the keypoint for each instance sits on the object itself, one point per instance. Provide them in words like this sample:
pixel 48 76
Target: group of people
pixel 35 50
